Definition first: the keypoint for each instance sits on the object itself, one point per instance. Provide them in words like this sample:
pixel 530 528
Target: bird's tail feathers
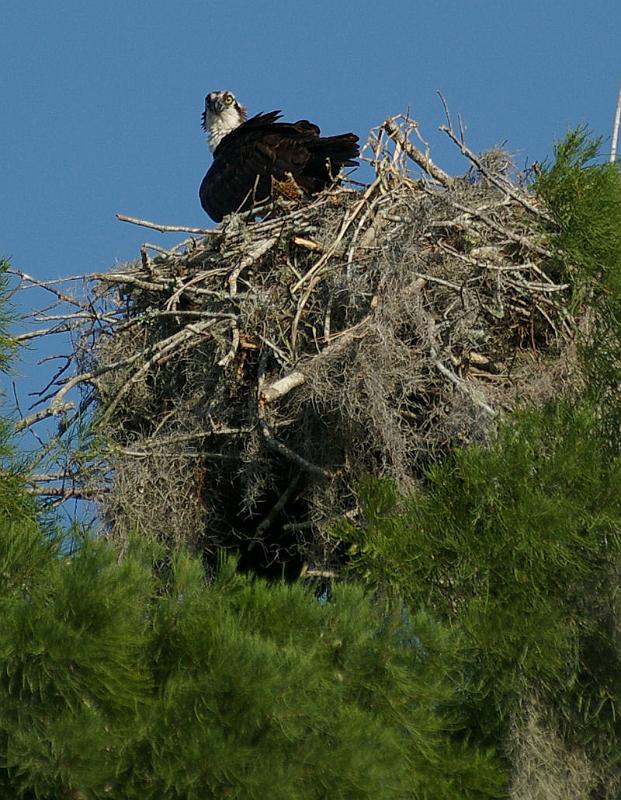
pixel 341 148
pixel 336 152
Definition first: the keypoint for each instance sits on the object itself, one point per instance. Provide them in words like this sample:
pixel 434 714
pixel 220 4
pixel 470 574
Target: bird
pixel 257 159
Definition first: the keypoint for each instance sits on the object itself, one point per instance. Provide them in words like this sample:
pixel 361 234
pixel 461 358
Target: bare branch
pixel 281 387
pixel 422 159
pixel 368 329
pixel 278 506
pixel 503 184
pixel 166 228
pixel 45 413
pixel 189 336
pixel 69 492
pixel 615 129
pixel 273 443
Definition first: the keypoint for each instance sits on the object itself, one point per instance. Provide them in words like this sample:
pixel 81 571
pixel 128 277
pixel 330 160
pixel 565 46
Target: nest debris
pixel 244 379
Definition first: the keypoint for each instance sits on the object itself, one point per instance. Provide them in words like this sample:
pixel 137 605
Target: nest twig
pixel 245 378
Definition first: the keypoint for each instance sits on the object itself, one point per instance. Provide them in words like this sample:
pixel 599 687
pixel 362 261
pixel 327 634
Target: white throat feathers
pixel 218 125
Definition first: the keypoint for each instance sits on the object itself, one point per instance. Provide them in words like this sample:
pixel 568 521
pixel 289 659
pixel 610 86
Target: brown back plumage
pixel 260 149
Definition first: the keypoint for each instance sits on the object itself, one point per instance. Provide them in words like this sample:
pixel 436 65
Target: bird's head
pixel 222 115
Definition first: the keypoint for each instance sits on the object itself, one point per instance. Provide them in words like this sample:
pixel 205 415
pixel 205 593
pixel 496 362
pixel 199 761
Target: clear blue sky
pixel 101 101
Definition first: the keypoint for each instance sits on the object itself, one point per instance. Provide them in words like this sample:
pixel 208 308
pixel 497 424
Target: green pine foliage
pixel 584 200
pixel 141 676
pixel 115 683
pixel 517 547
pixel 72 675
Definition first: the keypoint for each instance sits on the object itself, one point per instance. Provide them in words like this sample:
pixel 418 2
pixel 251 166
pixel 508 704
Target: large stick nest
pixel 244 380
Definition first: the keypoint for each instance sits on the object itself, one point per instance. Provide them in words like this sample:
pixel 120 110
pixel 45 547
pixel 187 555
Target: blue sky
pixel 102 100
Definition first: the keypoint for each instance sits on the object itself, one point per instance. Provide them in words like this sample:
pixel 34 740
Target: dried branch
pixel 190 336
pixel 166 228
pixel 504 230
pixel 500 182
pixel 45 413
pixel 25 337
pixel 281 387
pixel 423 160
pixel 68 492
pixel 262 247
pixel 48 287
pixel 615 129
pixel 368 329
pixel 278 506
pixel 273 443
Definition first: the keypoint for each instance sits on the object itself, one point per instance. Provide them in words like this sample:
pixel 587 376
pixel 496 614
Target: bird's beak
pixel 215 105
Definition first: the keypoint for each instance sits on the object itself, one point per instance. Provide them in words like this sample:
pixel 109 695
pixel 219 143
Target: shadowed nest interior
pixel 241 381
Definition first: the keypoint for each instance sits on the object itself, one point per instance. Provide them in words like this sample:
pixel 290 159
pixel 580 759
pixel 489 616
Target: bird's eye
pixel 228 99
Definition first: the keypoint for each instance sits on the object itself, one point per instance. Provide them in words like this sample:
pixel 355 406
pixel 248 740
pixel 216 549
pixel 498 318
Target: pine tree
pixel 584 198
pixel 142 676
pixel 115 684
pixel 487 596
pixel 517 544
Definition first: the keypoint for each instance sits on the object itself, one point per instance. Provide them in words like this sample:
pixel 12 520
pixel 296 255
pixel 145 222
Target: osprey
pixel 255 159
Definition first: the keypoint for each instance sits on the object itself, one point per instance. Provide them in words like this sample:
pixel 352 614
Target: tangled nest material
pixel 244 379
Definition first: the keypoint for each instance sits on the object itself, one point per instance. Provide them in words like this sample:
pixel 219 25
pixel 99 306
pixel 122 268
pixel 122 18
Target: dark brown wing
pixel 240 174
pixel 245 161
pixel 236 183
